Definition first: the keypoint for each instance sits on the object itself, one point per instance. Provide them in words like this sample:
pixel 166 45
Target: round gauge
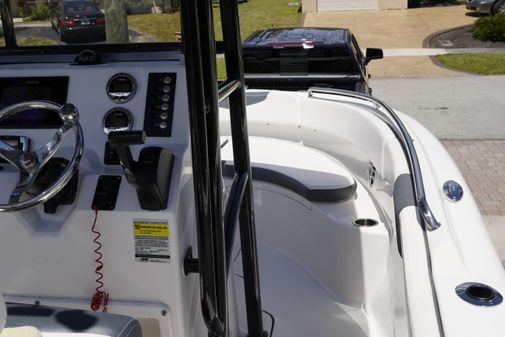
pixel 121 88
pixel 117 119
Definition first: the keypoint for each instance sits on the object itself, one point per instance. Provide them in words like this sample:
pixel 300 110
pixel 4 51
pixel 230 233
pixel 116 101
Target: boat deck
pixel 301 305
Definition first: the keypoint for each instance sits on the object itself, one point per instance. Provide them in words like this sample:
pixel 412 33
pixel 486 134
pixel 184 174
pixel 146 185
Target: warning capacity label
pixel 151 238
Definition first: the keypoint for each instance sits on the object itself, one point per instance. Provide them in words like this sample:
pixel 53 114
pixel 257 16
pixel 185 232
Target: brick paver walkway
pixel 482 163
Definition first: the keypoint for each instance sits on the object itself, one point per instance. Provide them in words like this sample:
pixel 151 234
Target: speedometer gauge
pixel 121 88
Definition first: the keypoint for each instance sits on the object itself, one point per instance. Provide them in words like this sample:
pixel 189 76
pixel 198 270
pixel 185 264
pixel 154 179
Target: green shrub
pixel 40 11
pixel 490 28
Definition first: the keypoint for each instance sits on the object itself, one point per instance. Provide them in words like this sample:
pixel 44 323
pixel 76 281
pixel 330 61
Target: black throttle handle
pixel 126 138
pixel 151 174
pixel 121 141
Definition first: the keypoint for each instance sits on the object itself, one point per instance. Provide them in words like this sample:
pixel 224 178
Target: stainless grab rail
pixel 400 131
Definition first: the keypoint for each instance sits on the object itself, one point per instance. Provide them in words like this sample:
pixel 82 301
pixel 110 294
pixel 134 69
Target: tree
pixel 14 8
pixel 116 21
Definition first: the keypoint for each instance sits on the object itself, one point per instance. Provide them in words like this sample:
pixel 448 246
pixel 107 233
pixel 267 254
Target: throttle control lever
pixel 121 141
pixel 151 174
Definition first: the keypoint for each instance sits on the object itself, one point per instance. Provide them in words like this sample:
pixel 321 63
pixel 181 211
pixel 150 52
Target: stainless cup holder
pixel 365 222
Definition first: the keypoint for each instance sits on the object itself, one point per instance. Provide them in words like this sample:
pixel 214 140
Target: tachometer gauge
pixel 117 119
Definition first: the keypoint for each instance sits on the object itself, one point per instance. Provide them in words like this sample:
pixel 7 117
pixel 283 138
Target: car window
pixel 317 60
pixel 79 6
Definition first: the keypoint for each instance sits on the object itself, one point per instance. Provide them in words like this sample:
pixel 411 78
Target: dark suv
pixel 300 58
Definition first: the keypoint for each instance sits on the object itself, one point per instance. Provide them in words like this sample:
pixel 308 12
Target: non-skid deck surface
pixel 299 304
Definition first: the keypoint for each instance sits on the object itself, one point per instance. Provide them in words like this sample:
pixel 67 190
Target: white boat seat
pixel 65 322
pixel 22 331
pixel 306 171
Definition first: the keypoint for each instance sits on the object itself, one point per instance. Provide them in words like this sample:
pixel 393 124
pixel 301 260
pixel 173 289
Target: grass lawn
pixel 162 27
pixel 35 41
pixel 30 41
pixel 480 63
pixel 254 15
pixel 258 14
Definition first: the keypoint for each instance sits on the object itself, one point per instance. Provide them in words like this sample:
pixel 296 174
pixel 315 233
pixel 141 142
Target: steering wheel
pixel 30 163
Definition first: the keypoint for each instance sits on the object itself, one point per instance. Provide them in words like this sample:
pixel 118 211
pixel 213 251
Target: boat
pixel 143 198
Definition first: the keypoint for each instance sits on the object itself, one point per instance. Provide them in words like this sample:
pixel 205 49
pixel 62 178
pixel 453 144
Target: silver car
pixel 486 6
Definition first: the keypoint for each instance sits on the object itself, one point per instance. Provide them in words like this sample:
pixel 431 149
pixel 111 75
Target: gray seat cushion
pixel 311 173
pixel 68 321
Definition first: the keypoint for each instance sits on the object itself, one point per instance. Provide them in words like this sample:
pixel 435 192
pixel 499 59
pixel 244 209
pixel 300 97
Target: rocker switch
pixel 107 189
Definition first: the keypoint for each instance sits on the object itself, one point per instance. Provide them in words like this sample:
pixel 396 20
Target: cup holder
pixel 479 294
pixel 364 222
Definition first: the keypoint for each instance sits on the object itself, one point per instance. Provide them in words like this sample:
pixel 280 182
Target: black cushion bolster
pixel 333 194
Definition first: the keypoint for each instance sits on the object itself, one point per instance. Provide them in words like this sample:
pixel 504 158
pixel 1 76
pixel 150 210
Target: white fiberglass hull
pixel 390 279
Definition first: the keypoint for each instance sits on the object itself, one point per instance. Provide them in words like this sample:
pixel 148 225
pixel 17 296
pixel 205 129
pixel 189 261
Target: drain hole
pixel 363 222
pixel 480 292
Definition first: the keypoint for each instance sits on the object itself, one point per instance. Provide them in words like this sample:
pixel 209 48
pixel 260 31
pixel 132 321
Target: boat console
pixel 133 173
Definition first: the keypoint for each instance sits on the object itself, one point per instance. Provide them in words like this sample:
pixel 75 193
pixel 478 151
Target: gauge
pixel 121 88
pixel 117 119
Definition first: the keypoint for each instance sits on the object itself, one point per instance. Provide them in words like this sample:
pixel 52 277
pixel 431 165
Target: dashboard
pixel 120 88
pixel 147 97
pixel 119 97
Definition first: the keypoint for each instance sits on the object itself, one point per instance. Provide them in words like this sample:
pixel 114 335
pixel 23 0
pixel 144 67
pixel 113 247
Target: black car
pixel 78 21
pixel 300 58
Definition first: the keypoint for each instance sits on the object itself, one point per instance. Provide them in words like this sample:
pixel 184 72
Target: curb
pixel 434 59
pixel 427 40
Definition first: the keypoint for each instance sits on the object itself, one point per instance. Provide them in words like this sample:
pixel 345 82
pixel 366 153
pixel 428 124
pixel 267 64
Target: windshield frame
pixel 100 48
pixel 11 48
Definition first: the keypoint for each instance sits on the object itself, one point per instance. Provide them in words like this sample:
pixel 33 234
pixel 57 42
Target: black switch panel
pixel 159 112
pixel 110 156
pixel 106 193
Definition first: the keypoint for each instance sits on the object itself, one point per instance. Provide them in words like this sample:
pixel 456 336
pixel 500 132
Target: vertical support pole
pixel 200 159
pixel 8 24
pixel 234 69
pixel 200 54
pixel 209 68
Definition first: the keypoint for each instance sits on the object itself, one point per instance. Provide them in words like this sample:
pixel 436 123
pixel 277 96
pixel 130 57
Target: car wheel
pixel 499 7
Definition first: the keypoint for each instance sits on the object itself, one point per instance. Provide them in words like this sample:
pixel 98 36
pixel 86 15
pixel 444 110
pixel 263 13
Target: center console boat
pixel 141 197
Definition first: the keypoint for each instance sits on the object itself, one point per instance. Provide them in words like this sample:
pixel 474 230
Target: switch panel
pixel 110 156
pixel 160 104
pixel 107 189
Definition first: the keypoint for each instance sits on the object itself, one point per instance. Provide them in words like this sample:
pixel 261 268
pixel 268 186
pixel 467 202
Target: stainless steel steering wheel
pixel 30 163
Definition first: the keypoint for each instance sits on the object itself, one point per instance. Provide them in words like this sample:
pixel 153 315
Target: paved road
pixel 45 30
pixel 39 31
pixel 462 107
